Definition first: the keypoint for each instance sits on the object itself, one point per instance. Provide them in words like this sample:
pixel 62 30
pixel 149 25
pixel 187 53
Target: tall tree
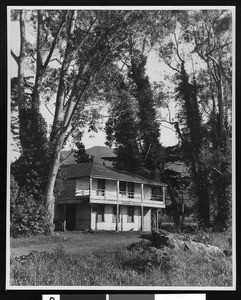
pixel 122 131
pixel 152 151
pixel 80 155
pixel 203 39
pixel 80 43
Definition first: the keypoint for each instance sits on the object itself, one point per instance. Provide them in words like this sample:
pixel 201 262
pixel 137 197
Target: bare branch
pixel 55 41
pixel 217 171
pixel 177 47
pixel 170 66
pixel 71 151
pixel 16 58
pixel 168 128
pixel 48 109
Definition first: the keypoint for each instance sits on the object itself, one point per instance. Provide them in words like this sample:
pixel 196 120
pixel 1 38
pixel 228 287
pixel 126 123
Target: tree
pixel 204 117
pixel 81 43
pixel 80 155
pixel 122 131
pixel 149 131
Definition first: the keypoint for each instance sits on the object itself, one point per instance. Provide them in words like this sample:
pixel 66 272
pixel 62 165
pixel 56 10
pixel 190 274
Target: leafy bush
pixel 27 215
pixel 141 257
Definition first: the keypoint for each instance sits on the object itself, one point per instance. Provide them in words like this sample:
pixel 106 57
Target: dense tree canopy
pixel 72 59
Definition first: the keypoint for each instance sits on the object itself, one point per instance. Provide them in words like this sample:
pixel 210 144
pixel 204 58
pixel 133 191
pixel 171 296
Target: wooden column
pixel 64 217
pixel 163 191
pixel 142 218
pixel 142 199
pixel 117 207
pixel 90 187
pixel 90 191
pixel 157 219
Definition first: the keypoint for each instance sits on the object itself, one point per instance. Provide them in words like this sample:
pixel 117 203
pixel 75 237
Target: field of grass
pixel 138 264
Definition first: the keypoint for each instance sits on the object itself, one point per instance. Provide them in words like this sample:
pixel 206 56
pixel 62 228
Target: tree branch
pixel 16 58
pixel 48 109
pixel 55 41
pixel 71 151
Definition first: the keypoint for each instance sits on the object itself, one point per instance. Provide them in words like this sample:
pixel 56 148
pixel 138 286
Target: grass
pixel 139 264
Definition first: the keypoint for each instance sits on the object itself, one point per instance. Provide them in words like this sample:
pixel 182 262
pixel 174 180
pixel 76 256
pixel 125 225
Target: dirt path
pixel 74 242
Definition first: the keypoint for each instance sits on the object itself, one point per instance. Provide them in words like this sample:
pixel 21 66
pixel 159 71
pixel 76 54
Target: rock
pixel 165 239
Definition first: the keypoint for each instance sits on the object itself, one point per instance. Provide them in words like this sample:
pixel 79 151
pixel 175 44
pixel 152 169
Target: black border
pixel 37 294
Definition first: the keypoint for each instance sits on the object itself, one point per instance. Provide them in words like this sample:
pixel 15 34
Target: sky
pixel 154 69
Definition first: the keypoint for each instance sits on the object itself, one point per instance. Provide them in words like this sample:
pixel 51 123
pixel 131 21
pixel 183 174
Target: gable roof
pixel 96 170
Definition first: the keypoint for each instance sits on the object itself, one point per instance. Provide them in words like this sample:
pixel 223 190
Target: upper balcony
pixel 96 183
pixel 126 193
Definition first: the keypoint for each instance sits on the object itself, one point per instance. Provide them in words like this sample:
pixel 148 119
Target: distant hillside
pixel 96 151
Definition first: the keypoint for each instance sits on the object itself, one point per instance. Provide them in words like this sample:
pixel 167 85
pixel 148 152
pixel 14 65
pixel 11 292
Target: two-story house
pixel 98 197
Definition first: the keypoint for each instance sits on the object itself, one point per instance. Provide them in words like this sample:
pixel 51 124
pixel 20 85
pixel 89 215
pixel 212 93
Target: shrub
pixel 27 215
pixel 143 258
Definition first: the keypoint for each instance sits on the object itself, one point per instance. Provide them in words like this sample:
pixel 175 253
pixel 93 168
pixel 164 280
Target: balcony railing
pixel 122 195
pixel 156 197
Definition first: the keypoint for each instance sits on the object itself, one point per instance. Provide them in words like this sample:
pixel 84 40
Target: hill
pixel 96 151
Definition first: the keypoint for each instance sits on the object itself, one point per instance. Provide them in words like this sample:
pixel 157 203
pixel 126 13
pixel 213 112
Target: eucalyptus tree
pixel 199 50
pixel 69 51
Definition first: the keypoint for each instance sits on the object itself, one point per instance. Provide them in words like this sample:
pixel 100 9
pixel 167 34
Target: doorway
pixel 70 217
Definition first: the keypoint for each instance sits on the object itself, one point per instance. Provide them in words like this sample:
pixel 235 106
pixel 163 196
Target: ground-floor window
pixel 130 214
pixel 100 213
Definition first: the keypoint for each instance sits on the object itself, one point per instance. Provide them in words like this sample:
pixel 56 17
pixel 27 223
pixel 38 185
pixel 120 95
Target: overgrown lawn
pixel 138 265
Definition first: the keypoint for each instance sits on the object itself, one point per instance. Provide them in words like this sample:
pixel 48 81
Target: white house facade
pixel 97 197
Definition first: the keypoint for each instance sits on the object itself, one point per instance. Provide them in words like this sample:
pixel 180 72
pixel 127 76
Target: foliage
pixel 27 216
pixel 139 265
pixel 122 131
pixel 81 156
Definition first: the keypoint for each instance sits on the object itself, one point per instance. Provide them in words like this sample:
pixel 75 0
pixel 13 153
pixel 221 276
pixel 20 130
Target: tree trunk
pixel 49 192
pixel 176 214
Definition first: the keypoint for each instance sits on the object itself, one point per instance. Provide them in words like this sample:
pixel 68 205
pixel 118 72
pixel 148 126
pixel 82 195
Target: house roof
pixel 96 170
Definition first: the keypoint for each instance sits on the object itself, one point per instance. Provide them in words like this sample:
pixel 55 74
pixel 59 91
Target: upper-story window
pixel 122 188
pixel 127 189
pixel 100 187
pixel 156 193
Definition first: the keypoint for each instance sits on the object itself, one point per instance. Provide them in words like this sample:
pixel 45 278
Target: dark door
pixel 70 217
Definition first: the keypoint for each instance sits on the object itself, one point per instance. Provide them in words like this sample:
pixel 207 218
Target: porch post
pixel 142 198
pixel 157 219
pixel 142 219
pixel 90 188
pixel 64 217
pixel 163 191
pixel 117 206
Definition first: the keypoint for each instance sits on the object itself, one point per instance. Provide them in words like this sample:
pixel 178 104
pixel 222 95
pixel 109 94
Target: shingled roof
pixel 96 170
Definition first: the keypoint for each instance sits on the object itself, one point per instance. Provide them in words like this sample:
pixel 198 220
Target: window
pixel 130 189
pixel 156 193
pixel 130 214
pixel 127 188
pixel 114 214
pixel 122 188
pixel 100 213
pixel 100 187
